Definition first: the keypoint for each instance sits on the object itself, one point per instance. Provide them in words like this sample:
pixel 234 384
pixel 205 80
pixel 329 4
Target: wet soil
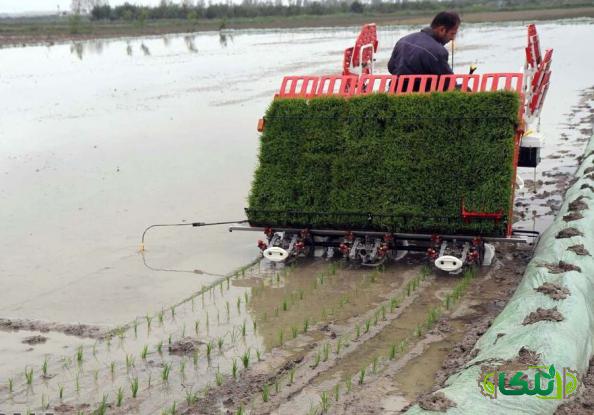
pixel 555 291
pixel 543 314
pixel 561 267
pixel 583 403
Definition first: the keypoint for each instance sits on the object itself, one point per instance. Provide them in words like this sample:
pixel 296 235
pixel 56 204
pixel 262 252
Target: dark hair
pixel 447 19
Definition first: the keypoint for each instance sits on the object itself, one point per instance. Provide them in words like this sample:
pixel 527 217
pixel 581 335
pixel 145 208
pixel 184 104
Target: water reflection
pixel 224 38
pixel 145 49
pixel 129 50
pixel 78 49
pixel 190 43
pixel 81 48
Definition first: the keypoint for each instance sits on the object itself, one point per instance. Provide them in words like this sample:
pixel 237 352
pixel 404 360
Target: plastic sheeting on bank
pixel 567 343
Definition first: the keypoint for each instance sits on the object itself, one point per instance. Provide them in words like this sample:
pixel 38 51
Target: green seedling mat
pixel 399 163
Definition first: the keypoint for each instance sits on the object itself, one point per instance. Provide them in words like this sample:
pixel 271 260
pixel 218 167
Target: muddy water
pixel 100 139
pixel 400 329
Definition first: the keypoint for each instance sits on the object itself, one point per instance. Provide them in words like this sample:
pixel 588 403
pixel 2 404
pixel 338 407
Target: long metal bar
pixel 410 236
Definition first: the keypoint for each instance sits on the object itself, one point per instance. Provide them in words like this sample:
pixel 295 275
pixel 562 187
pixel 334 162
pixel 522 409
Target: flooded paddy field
pixel 100 139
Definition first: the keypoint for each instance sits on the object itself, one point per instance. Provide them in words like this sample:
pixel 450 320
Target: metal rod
pixel 411 236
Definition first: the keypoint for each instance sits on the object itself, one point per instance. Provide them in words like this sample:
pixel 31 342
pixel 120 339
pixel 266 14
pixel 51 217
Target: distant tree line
pixel 191 10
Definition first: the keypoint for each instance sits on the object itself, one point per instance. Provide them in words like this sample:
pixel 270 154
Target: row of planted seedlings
pixel 336 348
pixel 136 357
pixel 398 348
pixel 309 298
pixel 282 296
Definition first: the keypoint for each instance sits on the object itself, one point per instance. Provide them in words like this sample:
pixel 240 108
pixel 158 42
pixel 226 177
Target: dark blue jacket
pixel 419 53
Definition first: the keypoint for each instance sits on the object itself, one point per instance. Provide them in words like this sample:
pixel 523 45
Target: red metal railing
pixel 349 85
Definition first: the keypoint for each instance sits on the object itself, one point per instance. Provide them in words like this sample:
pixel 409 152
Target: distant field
pixel 25 31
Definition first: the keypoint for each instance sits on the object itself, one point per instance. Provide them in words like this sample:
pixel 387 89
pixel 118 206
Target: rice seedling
pixel 45 402
pixel 349 384
pixel 316 360
pixel 332 269
pixel 294 331
pixel 276 386
pixel 129 362
pixel 119 397
pixel 135 328
pixel 324 402
pixel 182 369
pixel 418 330
pixel 383 312
pixel 10 385
pixel 265 393
pixel 219 378
pixel 305 325
pixel 245 297
pixel 362 376
pixel 195 358
pixel 220 342
pixel 337 392
pixel 208 350
pixel 357 331
pixel 291 375
pixel 254 324
pixel 432 317
pixel 393 304
pixel 238 305
pixel 285 305
pixel 234 369
pixel 367 324
pixel 408 289
pixel 240 411
pixel 281 335
pixel 207 322
pixel 134 387
pixel 121 333
pixel 29 376
pixel 173 408
pixel 374 365
pixel 243 328
pixel 277 278
pixel 392 353
pixel 77 384
pixel 150 378
pixel 191 397
pixel 245 358
pixel 112 369
pixel 276 312
pixel 258 355
pixel 79 355
pixel 44 368
pixel 169 340
pixel 322 278
pixel 227 308
pixel 375 318
pixel 160 347
pixel 325 352
pixel 165 372
pixel 161 316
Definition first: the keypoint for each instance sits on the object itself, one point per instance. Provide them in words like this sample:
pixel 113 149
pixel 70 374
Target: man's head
pixel 445 26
